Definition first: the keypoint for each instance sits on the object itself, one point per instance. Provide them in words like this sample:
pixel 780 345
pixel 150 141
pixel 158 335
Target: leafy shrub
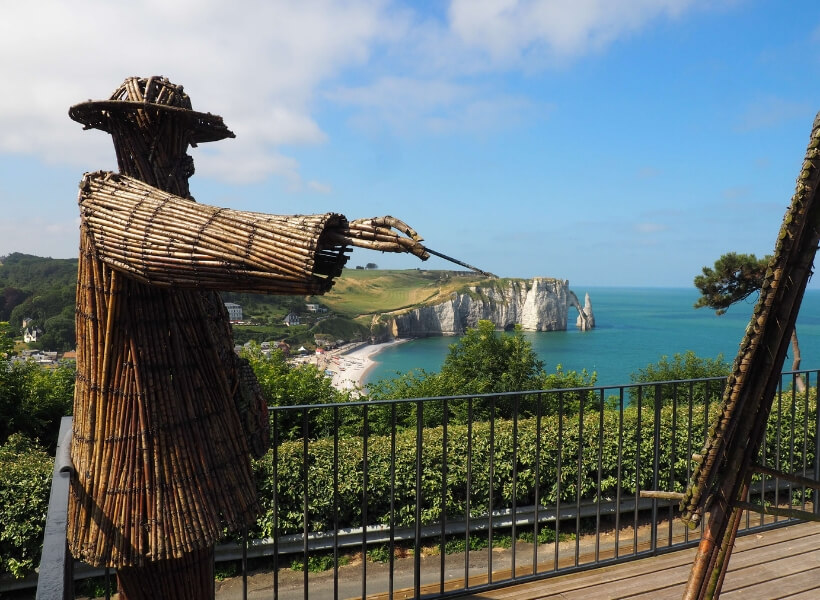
pixel 33 399
pixel 317 562
pixel 557 445
pixel 682 367
pixel 25 481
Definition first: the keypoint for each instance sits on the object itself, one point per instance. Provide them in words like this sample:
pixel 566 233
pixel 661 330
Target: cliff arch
pixel 586 320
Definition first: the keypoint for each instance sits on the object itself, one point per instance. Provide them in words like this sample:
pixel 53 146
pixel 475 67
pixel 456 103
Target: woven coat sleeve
pixel 165 240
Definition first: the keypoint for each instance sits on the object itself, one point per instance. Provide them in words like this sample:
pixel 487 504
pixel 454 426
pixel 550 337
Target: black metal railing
pixel 437 497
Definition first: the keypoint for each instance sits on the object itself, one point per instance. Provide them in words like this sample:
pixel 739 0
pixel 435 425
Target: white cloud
pixel 265 66
pixel 39 236
pixel 321 188
pixel 409 106
pixel 650 227
pixel 256 63
pixel 512 30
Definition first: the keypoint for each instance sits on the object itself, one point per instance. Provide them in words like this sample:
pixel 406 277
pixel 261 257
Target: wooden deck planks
pixel 781 563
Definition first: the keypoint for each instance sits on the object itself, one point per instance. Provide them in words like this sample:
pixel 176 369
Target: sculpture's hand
pixel 379 233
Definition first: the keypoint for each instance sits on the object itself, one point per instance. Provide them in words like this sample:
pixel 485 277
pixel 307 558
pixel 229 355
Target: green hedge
pixel 25 482
pixel 675 448
pixel 25 471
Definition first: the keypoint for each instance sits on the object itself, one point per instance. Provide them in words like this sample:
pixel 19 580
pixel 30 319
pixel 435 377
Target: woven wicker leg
pixel 187 578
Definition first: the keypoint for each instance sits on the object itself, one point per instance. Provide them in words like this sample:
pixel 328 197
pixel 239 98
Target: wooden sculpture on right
pixel 719 484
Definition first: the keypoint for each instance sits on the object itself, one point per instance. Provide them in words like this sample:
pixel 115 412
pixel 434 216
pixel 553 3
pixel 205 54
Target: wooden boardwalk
pixel 781 563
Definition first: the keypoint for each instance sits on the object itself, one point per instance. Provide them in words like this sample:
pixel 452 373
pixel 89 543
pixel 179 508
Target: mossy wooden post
pixel 720 481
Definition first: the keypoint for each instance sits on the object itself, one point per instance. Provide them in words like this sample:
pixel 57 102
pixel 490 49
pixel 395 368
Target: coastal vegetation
pixel 514 431
pixel 43 291
pixel 483 361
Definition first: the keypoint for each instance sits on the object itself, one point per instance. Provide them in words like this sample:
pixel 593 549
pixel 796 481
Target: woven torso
pixel 162 464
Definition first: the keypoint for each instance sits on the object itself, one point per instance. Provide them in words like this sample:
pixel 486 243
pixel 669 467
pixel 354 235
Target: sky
pixel 624 143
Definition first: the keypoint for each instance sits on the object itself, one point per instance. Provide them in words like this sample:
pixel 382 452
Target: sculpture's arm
pixel 165 240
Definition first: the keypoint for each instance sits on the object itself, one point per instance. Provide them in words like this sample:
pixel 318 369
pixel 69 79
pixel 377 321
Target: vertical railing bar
pixel 469 490
pixel 618 485
pixel 706 422
pixel 777 448
pixel 748 515
pixel 805 468
pixel 536 520
pixel 491 485
pixel 638 432
pixel 392 558
pixel 417 537
pixel 656 465
pixel 514 531
pixel 244 562
pixel 600 476
pixel 816 433
pixel 792 441
pixel 442 551
pixel 335 502
pixel 365 495
pixel 764 457
pixel 305 523
pixel 558 478
pixel 579 480
pixel 670 515
pixel 275 483
pixel 689 430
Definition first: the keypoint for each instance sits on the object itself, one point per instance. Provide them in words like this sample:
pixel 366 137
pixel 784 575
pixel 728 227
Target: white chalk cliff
pixel 539 304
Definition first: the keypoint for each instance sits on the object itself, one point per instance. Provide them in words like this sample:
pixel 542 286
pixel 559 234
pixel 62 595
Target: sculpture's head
pixel 151 102
pixel 152 125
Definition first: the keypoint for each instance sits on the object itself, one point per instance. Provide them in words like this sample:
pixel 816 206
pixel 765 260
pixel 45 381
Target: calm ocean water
pixel 634 327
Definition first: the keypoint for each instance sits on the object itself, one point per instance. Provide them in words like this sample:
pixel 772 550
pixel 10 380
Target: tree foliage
pixel 42 289
pixel 686 366
pixel 733 278
pixel 33 399
pixel 286 385
pixel 484 361
pixel 25 480
pixel 6 342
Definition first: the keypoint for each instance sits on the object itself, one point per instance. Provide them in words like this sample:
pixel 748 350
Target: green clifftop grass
pixel 365 292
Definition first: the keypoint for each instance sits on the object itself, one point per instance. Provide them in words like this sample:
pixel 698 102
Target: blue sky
pixel 608 143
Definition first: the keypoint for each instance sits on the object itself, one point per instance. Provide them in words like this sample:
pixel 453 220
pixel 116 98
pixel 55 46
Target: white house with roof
pixel 31 334
pixel 234 311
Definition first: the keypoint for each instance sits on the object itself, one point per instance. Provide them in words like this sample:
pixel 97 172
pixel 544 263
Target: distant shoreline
pixel 348 367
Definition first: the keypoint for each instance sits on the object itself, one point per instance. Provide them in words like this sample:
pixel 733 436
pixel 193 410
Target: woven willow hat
pixel 150 96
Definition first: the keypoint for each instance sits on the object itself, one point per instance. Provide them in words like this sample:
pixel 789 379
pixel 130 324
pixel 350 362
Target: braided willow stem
pixel 734 439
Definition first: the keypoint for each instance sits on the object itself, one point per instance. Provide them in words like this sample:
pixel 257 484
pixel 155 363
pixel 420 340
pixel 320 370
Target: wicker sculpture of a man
pixel 165 415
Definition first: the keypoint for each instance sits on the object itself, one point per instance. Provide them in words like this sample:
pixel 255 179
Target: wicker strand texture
pixel 722 479
pixel 165 416
pixel 161 453
pixel 161 239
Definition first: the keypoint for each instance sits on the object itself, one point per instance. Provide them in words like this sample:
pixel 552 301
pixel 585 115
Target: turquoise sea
pixel 634 327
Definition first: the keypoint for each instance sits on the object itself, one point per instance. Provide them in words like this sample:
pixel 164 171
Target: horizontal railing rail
pixel 443 496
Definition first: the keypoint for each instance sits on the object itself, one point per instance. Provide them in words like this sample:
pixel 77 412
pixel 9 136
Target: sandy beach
pixel 350 363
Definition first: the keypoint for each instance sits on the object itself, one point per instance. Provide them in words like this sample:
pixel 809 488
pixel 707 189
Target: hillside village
pixel 37 299
pixel 366 306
